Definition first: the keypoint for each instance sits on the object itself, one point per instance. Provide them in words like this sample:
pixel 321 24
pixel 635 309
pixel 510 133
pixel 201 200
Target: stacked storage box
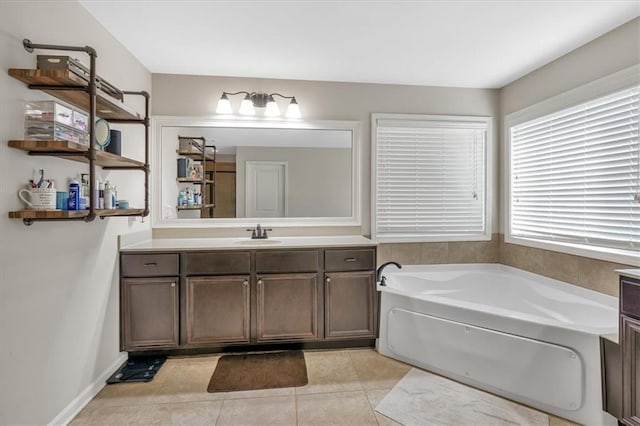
pixel 51 120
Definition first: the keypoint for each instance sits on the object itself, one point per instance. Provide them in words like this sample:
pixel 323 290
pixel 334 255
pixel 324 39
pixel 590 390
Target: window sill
pixel 625 257
pixel 385 239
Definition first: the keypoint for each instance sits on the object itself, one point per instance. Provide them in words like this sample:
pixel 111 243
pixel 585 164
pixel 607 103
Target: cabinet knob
pixel 246 282
pixel 328 280
pixel 259 282
pixel 173 284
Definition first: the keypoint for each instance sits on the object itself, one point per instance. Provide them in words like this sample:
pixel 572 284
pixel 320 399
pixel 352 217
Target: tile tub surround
pixel 594 274
pixel 344 388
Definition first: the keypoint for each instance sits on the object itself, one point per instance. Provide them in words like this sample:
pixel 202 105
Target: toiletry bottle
pixel 73 202
pixel 84 191
pixel 115 197
pixel 108 196
pixel 101 195
pixel 96 195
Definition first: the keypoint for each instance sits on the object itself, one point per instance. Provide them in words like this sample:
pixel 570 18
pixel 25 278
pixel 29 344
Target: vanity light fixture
pixel 254 100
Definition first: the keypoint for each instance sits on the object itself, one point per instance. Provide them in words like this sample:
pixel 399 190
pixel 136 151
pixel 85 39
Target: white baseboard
pixel 79 402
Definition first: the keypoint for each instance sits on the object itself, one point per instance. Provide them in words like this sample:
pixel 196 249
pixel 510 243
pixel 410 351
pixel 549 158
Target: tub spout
pixel 381 278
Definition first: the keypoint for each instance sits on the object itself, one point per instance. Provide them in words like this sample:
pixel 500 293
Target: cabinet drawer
pixel 150 265
pixel 349 260
pixel 630 297
pixel 287 261
pixel 217 263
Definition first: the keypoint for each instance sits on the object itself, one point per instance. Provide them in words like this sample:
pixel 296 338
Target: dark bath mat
pixel 137 369
pixel 259 371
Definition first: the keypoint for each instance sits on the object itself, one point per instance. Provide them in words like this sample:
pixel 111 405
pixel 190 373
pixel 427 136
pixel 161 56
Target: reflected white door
pixel 266 189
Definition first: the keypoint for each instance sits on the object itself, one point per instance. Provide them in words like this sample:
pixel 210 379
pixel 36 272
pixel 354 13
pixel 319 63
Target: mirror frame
pixel 158 122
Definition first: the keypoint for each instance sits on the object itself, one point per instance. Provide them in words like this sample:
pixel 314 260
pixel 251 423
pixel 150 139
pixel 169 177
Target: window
pixel 429 178
pixel 575 176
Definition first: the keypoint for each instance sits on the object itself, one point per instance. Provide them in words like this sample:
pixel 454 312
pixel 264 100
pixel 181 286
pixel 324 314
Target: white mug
pixel 39 198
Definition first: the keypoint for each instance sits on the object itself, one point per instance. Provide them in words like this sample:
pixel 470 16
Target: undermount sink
pixel 258 242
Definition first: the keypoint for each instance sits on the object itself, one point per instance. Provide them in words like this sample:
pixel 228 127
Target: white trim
pixel 72 409
pixel 171 121
pixel 489 176
pixel 626 257
pixel 618 81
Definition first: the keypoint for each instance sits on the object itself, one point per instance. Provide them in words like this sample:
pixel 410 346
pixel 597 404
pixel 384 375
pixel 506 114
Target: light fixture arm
pixel 258 100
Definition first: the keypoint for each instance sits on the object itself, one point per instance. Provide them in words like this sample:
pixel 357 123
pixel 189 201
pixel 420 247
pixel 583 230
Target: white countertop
pixel 175 244
pixel 635 273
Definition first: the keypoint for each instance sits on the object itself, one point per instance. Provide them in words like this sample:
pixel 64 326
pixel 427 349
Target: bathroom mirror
pixel 275 172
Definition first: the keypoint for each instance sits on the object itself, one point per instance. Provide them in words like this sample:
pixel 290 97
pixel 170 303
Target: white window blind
pixel 430 179
pixel 575 174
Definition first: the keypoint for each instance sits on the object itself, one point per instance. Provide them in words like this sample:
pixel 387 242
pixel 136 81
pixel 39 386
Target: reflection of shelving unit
pixel 203 154
pixel 88 95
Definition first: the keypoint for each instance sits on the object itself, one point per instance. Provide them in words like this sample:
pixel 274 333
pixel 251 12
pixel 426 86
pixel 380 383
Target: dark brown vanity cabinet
pixel 149 314
pixel 199 299
pixel 630 347
pixel 287 307
pixel 351 299
pixel 216 308
pixel 287 297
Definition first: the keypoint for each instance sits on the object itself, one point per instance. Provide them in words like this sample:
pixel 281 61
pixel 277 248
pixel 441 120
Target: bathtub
pixel 523 336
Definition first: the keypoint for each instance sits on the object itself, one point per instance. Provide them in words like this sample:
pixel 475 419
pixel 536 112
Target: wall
pixel 58 281
pixel 612 52
pixel 319 179
pixel 183 95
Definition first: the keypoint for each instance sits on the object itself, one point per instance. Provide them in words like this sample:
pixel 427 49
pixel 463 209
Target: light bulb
pixel 293 110
pixel 224 106
pixel 246 107
pixel 272 108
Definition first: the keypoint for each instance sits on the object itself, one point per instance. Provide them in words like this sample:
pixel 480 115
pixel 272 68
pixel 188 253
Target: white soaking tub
pixel 526 337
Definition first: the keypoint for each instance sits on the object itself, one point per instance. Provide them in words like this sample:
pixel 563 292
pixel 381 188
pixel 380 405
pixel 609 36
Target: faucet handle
pixel 264 232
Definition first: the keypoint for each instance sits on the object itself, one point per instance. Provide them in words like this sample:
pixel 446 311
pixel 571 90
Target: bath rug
pixel 422 398
pixel 259 371
pixel 137 369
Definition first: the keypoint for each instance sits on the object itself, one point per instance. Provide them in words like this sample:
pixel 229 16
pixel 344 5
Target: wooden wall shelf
pixel 75 152
pixel 195 155
pixel 70 214
pixel 194 180
pixel 106 106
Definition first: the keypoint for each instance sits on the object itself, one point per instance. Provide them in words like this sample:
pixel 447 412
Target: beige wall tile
pixel 527 258
pixel 462 252
pixel 406 253
pixel 560 266
pixel 384 253
pixel 488 251
pixel 431 253
pixel 599 275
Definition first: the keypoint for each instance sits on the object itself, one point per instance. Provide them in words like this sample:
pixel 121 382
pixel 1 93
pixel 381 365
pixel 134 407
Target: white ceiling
pixel 483 44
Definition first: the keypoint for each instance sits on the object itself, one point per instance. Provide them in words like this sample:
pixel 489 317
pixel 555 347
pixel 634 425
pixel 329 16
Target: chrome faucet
pixel 381 278
pixel 259 233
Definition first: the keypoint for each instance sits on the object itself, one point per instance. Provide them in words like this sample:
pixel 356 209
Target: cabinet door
pixel 217 310
pixel 287 307
pixel 630 370
pixel 149 313
pixel 350 305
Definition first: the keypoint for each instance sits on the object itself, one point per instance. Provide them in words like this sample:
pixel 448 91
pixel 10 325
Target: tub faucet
pixel 381 278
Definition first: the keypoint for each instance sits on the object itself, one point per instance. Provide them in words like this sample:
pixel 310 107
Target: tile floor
pixel 344 388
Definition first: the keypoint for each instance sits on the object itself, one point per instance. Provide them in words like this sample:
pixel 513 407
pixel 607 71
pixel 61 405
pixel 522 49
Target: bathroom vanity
pixel 184 294
pixel 621 355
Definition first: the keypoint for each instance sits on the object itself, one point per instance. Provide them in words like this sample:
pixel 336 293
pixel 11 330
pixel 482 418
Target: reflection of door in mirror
pixel 266 189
